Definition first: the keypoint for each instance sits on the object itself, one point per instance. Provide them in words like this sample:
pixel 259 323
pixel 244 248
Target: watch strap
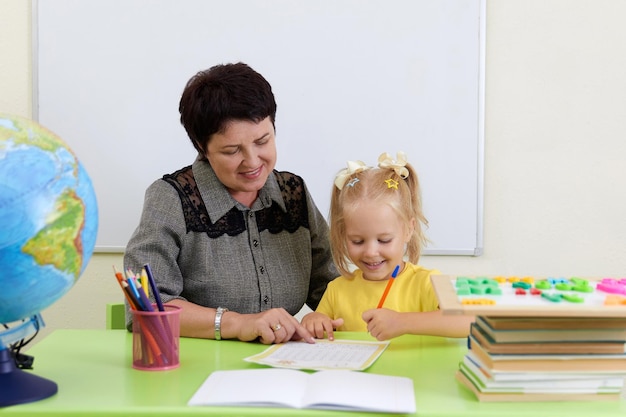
pixel 218 322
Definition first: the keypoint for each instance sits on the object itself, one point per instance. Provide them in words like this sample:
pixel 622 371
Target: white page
pixel 354 390
pixel 252 387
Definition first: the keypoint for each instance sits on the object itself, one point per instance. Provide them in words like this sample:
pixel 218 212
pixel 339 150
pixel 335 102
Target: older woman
pixel 239 246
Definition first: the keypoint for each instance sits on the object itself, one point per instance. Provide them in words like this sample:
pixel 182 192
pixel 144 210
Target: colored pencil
pixel 394 274
pixel 153 287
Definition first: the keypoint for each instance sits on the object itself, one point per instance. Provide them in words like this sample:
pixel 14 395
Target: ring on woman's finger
pixel 276 327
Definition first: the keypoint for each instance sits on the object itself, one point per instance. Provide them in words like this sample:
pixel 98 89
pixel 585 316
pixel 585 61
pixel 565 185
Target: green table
pixel 93 371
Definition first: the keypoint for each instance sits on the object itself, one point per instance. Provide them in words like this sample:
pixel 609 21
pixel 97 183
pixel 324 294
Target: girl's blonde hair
pixel 394 184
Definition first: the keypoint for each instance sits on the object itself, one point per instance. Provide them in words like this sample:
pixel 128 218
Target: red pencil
pixel 394 274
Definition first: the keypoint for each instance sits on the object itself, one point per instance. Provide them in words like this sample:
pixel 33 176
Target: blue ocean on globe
pixel 48 218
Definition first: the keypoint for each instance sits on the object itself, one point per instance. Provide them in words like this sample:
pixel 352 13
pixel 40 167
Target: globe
pixel 48 227
pixel 49 218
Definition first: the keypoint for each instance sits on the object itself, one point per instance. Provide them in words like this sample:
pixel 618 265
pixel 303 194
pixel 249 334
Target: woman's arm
pixel 271 326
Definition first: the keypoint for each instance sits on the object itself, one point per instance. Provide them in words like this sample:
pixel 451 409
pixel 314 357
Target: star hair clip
pixel 391 183
pixel 352 182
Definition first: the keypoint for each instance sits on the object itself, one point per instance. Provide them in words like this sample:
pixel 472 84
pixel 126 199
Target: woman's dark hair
pixel 212 98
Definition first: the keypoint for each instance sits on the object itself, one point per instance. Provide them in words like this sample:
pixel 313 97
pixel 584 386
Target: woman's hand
pixel 317 324
pixel 271 326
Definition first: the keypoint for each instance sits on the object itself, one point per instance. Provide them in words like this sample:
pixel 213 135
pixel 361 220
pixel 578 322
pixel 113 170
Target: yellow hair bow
pixel 386 161
pixel 344 174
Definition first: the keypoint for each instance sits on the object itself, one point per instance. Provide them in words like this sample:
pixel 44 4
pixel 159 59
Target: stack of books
pixel 545 358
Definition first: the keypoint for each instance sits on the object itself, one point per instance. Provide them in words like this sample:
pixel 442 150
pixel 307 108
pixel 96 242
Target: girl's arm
pixel 384 324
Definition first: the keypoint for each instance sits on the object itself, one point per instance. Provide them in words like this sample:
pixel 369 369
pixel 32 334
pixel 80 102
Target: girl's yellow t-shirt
pixel 348 298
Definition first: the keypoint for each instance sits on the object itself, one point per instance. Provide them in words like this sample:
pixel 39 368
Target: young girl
pixel 376 220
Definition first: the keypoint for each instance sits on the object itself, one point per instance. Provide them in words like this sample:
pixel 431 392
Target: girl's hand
pixel 317 324
pixel 382 323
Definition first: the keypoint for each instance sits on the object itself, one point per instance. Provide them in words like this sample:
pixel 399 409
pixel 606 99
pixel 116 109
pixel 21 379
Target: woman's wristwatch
pixel 218 322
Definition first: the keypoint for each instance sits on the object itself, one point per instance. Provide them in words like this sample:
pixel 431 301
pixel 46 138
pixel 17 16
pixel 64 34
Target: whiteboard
pixel 352 79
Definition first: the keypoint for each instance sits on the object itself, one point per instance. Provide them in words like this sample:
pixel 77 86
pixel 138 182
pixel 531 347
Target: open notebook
pixel 331 390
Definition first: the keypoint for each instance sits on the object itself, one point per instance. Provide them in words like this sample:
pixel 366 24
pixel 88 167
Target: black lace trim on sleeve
pixel 273 218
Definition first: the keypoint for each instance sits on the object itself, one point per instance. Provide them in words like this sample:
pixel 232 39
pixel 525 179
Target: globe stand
pixel 18 386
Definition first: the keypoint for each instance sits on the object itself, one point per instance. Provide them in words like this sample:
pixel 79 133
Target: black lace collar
pixel 284 210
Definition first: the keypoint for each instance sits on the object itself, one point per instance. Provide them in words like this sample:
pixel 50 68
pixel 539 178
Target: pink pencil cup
pixel 156 338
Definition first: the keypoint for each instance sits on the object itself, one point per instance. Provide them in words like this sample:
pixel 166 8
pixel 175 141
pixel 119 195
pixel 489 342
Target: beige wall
pixel 555 146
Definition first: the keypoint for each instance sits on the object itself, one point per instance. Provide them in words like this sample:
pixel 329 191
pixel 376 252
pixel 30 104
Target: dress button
pixel 255 243
pixel 266 299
